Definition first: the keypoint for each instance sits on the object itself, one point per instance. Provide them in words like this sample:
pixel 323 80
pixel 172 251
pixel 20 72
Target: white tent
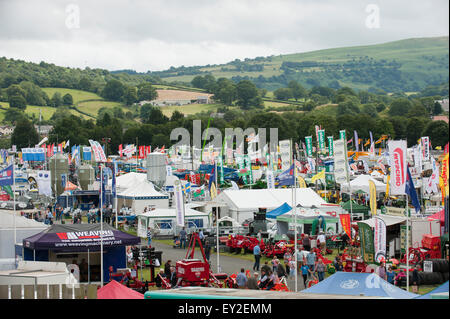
pixel 128 180
pixel 243 203
pixel 141 195
pixel 24 228
pixel 361 183
pixel 164 220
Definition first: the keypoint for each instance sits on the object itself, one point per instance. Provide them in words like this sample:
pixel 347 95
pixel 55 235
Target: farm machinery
pixel 129 277
pixel 197 272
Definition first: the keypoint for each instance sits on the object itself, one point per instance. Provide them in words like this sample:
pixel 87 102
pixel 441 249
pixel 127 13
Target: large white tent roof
pixel 129 180
pixel 171 213
pixel 269 198
pixel 141 190
pixel 389 220
pixel 361 183
pixel 7 222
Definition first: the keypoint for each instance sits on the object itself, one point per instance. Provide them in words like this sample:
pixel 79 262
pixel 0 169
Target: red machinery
pixel 236 243
pixel 126 278
pixel 278 249
pixel 195 272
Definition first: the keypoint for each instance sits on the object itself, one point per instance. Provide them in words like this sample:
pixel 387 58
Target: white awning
pixel 389 220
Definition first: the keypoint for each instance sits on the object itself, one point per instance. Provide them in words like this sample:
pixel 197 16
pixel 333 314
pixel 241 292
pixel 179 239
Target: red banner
pixel 120 150
pixel 346 224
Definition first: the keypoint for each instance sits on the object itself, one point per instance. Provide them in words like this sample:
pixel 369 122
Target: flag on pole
pixel 7 176
pixel 213 191
pixel 319 175
pixel 199 192
pixel 373 197
pixel 411 191
pixel 356 141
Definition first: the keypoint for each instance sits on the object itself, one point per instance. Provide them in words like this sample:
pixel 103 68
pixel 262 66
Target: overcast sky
pixel 156 34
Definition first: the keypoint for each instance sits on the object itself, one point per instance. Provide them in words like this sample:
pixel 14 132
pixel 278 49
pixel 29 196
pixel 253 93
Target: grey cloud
pixel 157 34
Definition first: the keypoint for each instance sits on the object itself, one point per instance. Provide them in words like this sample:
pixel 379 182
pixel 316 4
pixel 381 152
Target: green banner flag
pixel 330 146
pixel 367 245
pixel 8 190
pixel 321 140
pixel 248 166
pixel 308 140
pixel 342 135
pixel 222 178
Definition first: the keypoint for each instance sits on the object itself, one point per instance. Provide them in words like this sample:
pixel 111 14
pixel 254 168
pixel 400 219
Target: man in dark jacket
pixel 173 277
pixel 167 268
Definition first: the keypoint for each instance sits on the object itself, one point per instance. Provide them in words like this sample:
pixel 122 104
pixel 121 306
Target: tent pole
pixel 89 268
pixel 101 224
pixel 14 196
pixel 407 244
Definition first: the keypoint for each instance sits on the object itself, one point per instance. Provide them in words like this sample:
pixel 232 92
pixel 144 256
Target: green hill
pixel 407 65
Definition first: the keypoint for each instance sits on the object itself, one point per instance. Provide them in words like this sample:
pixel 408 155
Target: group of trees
pixel 244 94
pixel 115 90
pixel 155 128
pixel 27 93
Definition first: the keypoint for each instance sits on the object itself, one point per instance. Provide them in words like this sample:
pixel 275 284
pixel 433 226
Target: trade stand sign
pixel 73 240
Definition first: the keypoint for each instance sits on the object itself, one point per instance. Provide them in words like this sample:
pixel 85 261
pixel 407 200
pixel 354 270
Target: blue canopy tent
pixel 358 284
pixel 283 209
pixel 441 288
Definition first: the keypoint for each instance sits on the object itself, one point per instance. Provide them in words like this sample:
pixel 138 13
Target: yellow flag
pixel 63 144
pixel 301 182
pixel 387 185
pixel 373 198
pixel 318 176
pixel 213 191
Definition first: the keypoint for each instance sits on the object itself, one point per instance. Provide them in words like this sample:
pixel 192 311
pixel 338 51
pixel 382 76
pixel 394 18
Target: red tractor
pixel 251 242
pixel 195 272
pixel 236 243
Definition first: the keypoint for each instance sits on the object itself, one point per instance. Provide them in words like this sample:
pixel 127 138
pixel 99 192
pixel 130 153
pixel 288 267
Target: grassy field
pixel 46 111
pixel 77 95
pixel 92 107
pixel 189 109
pixel 418 57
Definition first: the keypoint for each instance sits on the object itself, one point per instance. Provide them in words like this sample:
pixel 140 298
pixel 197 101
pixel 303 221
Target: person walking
pixel 320 269
pixel 390 275
pixel 311 260
pixel 183 236
pixel 415 279
pixel 305 271
pixel 241 279
pixel 381 271
pixel 257 255
pixel 322 242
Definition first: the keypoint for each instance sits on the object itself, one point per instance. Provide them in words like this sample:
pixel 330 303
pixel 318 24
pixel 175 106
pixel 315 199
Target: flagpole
pixel 217 218
pixel 14 199
pixel 101 224
pixel 407 244
pixel 294 207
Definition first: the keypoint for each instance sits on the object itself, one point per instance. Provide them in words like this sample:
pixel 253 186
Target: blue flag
pixel 103 183
pixel 212 178
pixel 7 176
pixel 113 186
pixel 286 178
pixel 411 191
